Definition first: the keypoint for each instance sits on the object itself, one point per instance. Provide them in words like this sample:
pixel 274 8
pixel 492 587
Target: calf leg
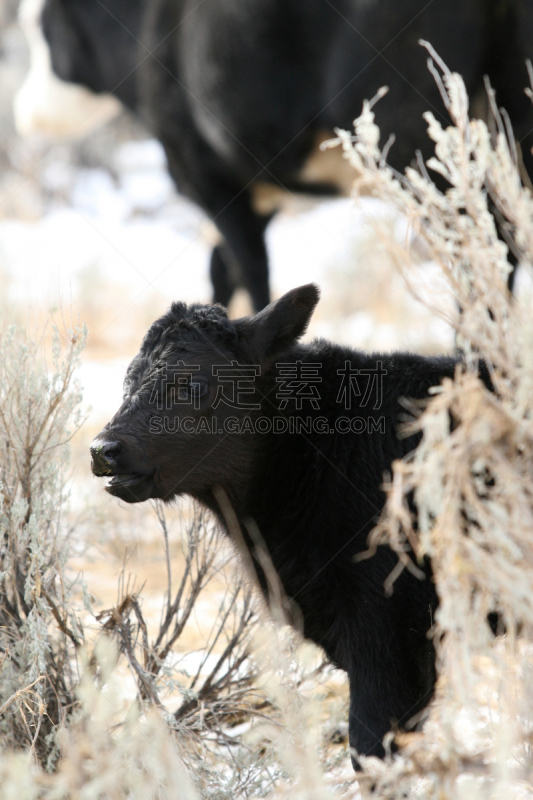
pixel 367 726
pixel 387 689
pixel 371 718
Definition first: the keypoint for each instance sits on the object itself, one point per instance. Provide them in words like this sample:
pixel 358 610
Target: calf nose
pixel 104 456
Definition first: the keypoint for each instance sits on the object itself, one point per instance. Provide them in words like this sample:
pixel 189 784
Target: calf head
pixel 197 372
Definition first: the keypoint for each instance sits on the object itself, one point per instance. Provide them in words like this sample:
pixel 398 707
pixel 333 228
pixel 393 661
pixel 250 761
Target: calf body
pixel 299 437
pixel 241 91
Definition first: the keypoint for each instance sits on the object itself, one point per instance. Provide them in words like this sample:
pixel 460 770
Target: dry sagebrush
pixel 60 707
pixel 203 707
pixel 471 478
pixel 39 629
pixel 103 755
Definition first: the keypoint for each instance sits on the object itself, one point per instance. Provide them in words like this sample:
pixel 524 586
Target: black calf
pixel 299 438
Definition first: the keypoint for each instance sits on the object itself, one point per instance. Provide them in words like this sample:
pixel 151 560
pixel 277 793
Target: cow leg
pixel 223 286
pixel 243 255
pixel 251 272
pixel 242 258
pixel 227 273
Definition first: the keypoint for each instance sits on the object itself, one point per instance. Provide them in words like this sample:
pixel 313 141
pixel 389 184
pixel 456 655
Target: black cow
pixel 241 91
pixel 299 438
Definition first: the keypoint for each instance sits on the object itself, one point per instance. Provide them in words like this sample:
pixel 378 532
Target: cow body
pixel 313 493
pixel 241 91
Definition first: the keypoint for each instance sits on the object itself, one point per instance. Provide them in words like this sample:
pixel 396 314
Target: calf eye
pixel 186 390
pixel 199 388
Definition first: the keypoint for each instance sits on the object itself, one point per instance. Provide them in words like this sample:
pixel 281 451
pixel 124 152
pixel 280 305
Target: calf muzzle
pixel 104 457
pixel 109 459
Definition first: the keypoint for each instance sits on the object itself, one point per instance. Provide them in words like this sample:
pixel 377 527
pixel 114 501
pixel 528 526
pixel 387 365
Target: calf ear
pixel 280 325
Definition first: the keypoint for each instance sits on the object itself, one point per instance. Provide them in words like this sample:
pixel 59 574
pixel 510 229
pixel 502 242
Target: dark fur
pixel 314 497
pixel 237 89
